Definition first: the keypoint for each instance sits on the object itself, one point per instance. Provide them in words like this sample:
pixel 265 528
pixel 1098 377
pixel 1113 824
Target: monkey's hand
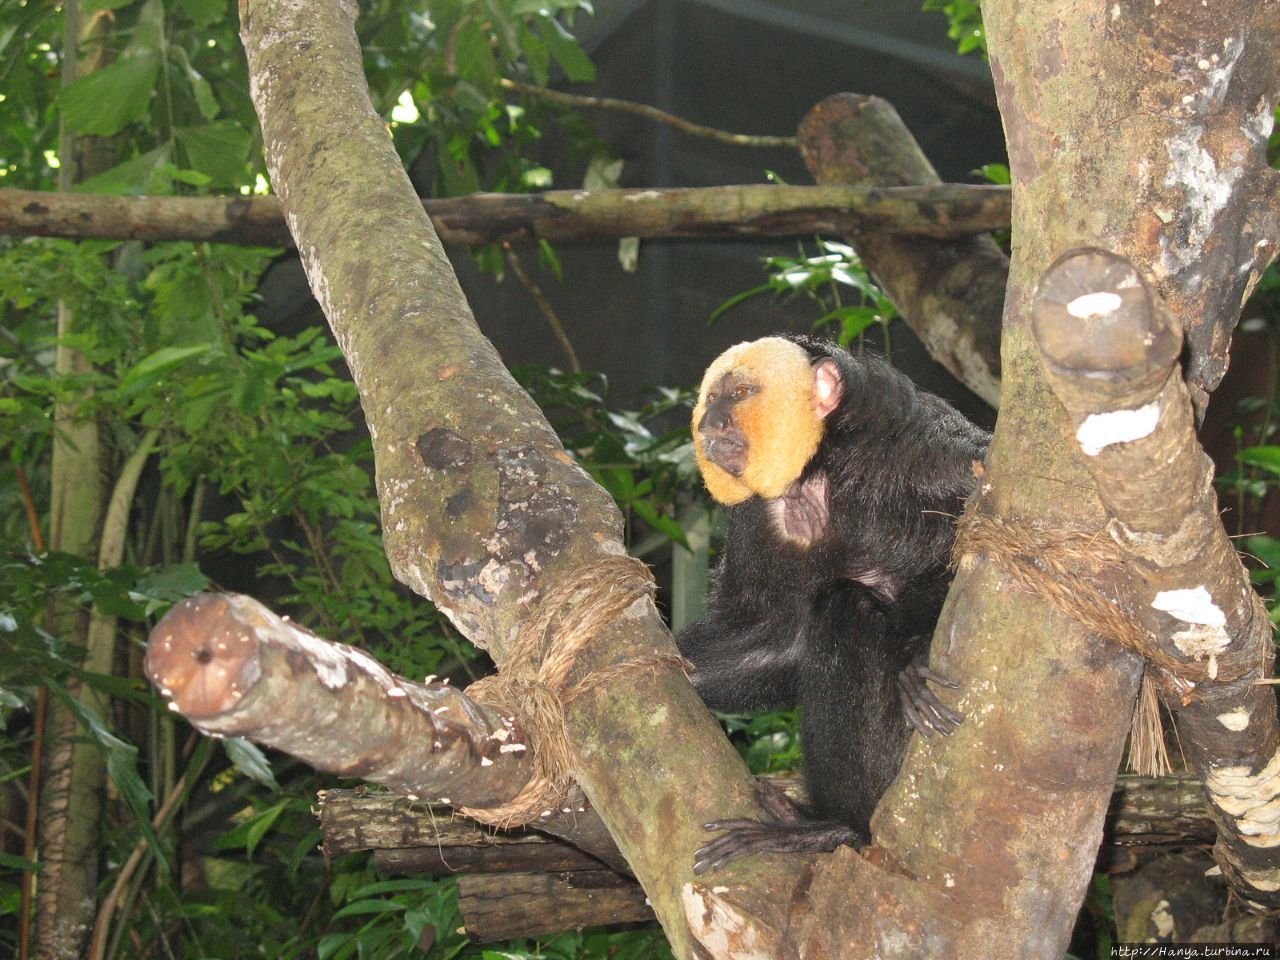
pixel 742 838
pixel 924 711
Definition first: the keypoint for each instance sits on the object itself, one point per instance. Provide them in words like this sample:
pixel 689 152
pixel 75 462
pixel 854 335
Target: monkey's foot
pixel 742 838
pixel 924 711
pixel 777 807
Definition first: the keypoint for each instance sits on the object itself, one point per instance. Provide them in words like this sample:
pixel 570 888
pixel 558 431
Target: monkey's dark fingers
pixel 943 718
pixel 924 711
pixel 926 674
pixel 741 839
pixel 914 718
pixel 736 824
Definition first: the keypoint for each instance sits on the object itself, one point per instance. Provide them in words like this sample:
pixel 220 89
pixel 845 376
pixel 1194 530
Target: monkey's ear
pixel 828 387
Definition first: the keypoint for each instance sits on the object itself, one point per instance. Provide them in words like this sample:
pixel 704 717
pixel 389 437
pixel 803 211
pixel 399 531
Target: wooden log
pixel 1149 816
pixel 524 883
pixel 507 905
pixel 752 210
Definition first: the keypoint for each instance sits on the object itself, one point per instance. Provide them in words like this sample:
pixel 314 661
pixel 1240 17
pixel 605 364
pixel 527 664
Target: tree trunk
pixel 73 778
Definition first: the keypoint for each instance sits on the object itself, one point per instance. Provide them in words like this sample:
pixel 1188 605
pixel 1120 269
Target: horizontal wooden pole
pixel 938 210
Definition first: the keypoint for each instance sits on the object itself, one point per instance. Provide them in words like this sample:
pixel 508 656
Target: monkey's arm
pixel 742 663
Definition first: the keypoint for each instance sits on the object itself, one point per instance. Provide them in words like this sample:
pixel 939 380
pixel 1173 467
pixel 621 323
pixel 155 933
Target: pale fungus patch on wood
pixel 332 662
pixel 1252 799
pixel 1193 605
pixel 1100 430
pixel 1237 719
pixel 1206 636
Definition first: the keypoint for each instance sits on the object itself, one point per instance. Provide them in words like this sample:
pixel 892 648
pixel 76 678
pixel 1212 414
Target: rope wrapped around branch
pixel 1053 565
pixel 532 683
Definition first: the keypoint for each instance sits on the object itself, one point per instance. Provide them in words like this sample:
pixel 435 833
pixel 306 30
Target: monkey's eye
pixel 713 396
pixel 742 391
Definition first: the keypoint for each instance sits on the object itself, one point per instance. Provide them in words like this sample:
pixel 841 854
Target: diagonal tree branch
pixel 233 668
pixel 482 510
pixel 950 291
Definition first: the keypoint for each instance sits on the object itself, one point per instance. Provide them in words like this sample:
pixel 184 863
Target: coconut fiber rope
pixel 532 687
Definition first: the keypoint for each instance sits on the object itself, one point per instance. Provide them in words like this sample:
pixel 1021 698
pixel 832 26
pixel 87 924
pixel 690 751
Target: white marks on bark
pixel 1206 191
pixel 1206 635
pixel 721 929
pixel 1101 430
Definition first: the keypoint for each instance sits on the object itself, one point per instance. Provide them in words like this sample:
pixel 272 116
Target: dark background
pixel 747 66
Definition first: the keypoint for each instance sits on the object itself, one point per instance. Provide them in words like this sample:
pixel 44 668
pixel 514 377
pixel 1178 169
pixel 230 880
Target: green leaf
pixel 153 367
pixel 10 862
pixel 474 59
pixel 203 13
pixel 106 101
pixel 249 759
pixel 192 177
pixel 995 173
pixel 219 149
pixel 201 89
pixel 137 176
pixel 738 298
pixel 391 886
pixel 330 943
pixel 564 49
pixel 171 584
pixel 94 6
pixel 665 525
pixel 122 768
pixel 368 906
pixel 536 55
pixel 1268 458
pixel 249 833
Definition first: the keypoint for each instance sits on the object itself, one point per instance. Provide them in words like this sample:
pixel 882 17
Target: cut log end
pixel 1095 317
pixel 201 657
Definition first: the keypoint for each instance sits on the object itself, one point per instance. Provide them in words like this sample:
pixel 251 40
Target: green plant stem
pixel 102 925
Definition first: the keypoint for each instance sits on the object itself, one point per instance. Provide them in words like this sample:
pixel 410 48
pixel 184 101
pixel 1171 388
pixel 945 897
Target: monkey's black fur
pixel 836 625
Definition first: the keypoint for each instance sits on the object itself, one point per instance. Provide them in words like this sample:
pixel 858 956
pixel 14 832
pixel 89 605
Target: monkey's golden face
pixel 756 426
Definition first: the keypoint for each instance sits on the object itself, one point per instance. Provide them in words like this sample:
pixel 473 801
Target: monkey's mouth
pixel 727 452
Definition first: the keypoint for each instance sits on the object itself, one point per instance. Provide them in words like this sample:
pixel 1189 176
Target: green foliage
pixel 830 278
pixel 964 18
pixel 451 101
pixel 153 93
pixel 643 466
pixel 259 467
pixel 769 742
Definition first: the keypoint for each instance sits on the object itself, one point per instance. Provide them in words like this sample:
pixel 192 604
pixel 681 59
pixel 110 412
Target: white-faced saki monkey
pixel 843 482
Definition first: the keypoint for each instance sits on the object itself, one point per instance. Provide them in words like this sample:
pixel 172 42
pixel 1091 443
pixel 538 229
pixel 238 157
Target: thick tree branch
pixel 1110 350
pixel 233 668
pixel 755 210
pixel 482 510
pixel 949 291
